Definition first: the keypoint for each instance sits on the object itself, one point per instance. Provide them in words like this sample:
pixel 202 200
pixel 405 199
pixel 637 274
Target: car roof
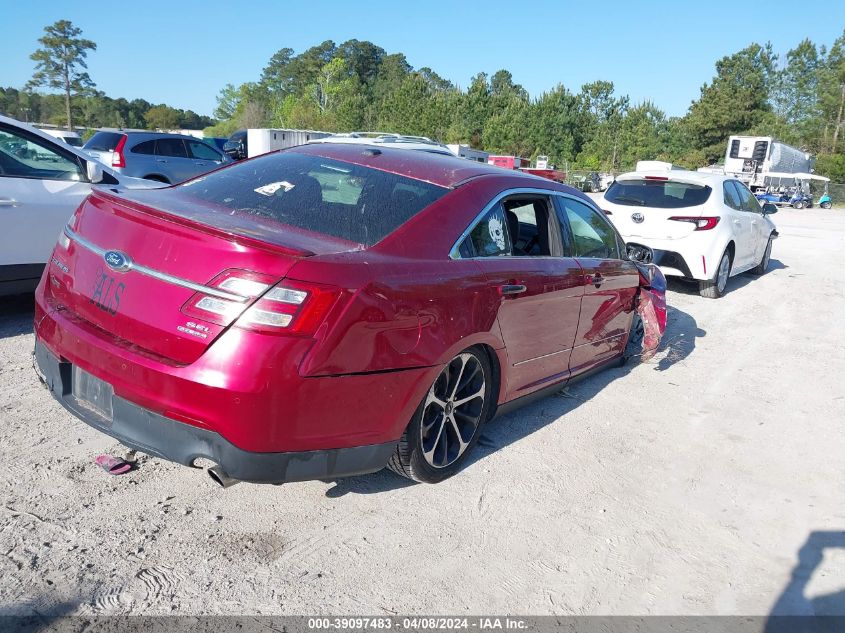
pixel 151 134
pixel 677 175
pixel 438 169
pixel 381 139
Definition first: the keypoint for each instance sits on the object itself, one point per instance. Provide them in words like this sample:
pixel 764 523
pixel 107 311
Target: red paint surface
pixel 403 308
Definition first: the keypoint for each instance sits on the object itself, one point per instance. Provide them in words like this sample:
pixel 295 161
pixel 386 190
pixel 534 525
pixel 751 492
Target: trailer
pixel 256 141
pixel 470 153
pixel 752 158
pixel 508 162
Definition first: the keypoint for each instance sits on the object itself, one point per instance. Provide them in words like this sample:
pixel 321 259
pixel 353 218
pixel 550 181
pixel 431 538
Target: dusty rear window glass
pixel 660 194
pixel 334 198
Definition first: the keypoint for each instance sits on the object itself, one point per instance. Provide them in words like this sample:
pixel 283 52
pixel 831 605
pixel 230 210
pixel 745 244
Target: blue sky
pixel 182 52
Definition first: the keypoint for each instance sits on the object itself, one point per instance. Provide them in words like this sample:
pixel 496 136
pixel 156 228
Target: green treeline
pixel 357 85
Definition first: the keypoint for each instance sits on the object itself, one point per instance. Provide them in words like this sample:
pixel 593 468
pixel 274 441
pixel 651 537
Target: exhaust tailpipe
pixel 221 478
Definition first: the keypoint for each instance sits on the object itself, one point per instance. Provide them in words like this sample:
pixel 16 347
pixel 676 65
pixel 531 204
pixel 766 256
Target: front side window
pixel 591 233
pixel 747 200
pixel 23 157
pixel 201 151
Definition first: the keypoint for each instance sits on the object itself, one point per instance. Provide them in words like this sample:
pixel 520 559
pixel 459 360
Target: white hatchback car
pixel 699 226
pixel 42 182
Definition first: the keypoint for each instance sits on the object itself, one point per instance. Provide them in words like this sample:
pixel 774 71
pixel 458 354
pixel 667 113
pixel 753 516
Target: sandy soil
pixel 686 485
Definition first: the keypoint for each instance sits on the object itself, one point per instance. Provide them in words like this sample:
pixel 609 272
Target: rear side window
pixel 732 195
pixel 354 203
pixel 147 147
pixel 659 194
pixel 171 147
pixel 104 141
pixel 490 237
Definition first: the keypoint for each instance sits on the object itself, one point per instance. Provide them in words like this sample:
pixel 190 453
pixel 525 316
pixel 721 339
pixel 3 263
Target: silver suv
pixel 169 158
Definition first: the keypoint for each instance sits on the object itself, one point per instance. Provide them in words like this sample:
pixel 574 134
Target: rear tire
pixel 760 268
pixel 825 205
pixel 715 288
pixel 799 204
pixel 447 424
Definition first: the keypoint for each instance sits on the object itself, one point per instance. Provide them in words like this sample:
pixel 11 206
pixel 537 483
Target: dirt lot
pixel 687 485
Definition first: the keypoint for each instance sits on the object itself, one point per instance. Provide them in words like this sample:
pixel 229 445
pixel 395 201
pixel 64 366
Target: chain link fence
pixel 835 190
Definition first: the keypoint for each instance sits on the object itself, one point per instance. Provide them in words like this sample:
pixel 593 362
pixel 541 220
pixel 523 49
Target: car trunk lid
pixel 137 272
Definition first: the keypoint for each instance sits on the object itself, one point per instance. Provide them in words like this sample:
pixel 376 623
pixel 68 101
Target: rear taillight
pixel 292 307
pixel 701 223
pixel 117 158
pixel 239 288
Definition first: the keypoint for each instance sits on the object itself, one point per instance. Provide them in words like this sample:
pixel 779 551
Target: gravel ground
pixel 690 484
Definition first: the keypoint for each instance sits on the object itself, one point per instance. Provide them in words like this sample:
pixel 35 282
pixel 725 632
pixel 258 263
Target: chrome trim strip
pixel 155 274
pixel 522 362
pixel 454 252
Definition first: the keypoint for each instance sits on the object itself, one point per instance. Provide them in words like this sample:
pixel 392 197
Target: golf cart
pixel 795 192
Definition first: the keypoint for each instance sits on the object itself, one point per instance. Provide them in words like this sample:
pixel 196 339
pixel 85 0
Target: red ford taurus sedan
pixel 330 310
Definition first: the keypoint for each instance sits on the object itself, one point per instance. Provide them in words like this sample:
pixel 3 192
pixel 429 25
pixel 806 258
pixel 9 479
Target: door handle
pixel 8 202
pixel 512 289
pixel 160 160
pixel 597 280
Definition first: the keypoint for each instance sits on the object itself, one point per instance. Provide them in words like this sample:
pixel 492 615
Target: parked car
pixel 217 142
pixel 168 158
pixel 700 226
pixel 71 138
pixel 237 147
pixel 324 311
pixel 42 181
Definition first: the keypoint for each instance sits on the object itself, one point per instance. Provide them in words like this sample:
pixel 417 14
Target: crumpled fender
pixel 651 307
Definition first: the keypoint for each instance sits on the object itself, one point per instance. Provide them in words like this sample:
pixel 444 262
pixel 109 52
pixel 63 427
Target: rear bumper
pixel 154 434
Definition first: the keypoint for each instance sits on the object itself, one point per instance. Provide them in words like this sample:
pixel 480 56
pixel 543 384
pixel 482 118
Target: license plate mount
pixel 92 394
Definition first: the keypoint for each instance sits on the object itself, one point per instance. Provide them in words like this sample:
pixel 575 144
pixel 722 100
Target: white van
pixel 71 138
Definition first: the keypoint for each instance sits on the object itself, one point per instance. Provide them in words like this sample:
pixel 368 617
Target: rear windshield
pixel 104 141
pixel 353 203
pixel 72 140
pixel 660 194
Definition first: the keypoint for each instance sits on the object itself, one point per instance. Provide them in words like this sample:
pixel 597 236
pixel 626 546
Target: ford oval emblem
pixel 638 217
pixel 117 261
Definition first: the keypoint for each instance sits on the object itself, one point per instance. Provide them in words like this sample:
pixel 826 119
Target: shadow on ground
pixel 794 611
pixel 734 283
pixel 678 343
pixel 16 315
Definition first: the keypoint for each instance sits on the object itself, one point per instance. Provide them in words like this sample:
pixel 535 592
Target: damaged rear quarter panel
pixel 401 314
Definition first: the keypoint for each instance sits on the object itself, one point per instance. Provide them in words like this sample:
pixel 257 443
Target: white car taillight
pixel 701 223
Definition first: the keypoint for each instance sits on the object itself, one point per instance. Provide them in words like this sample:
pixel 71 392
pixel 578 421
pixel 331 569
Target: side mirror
pixel 769 208
pixel 94 171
